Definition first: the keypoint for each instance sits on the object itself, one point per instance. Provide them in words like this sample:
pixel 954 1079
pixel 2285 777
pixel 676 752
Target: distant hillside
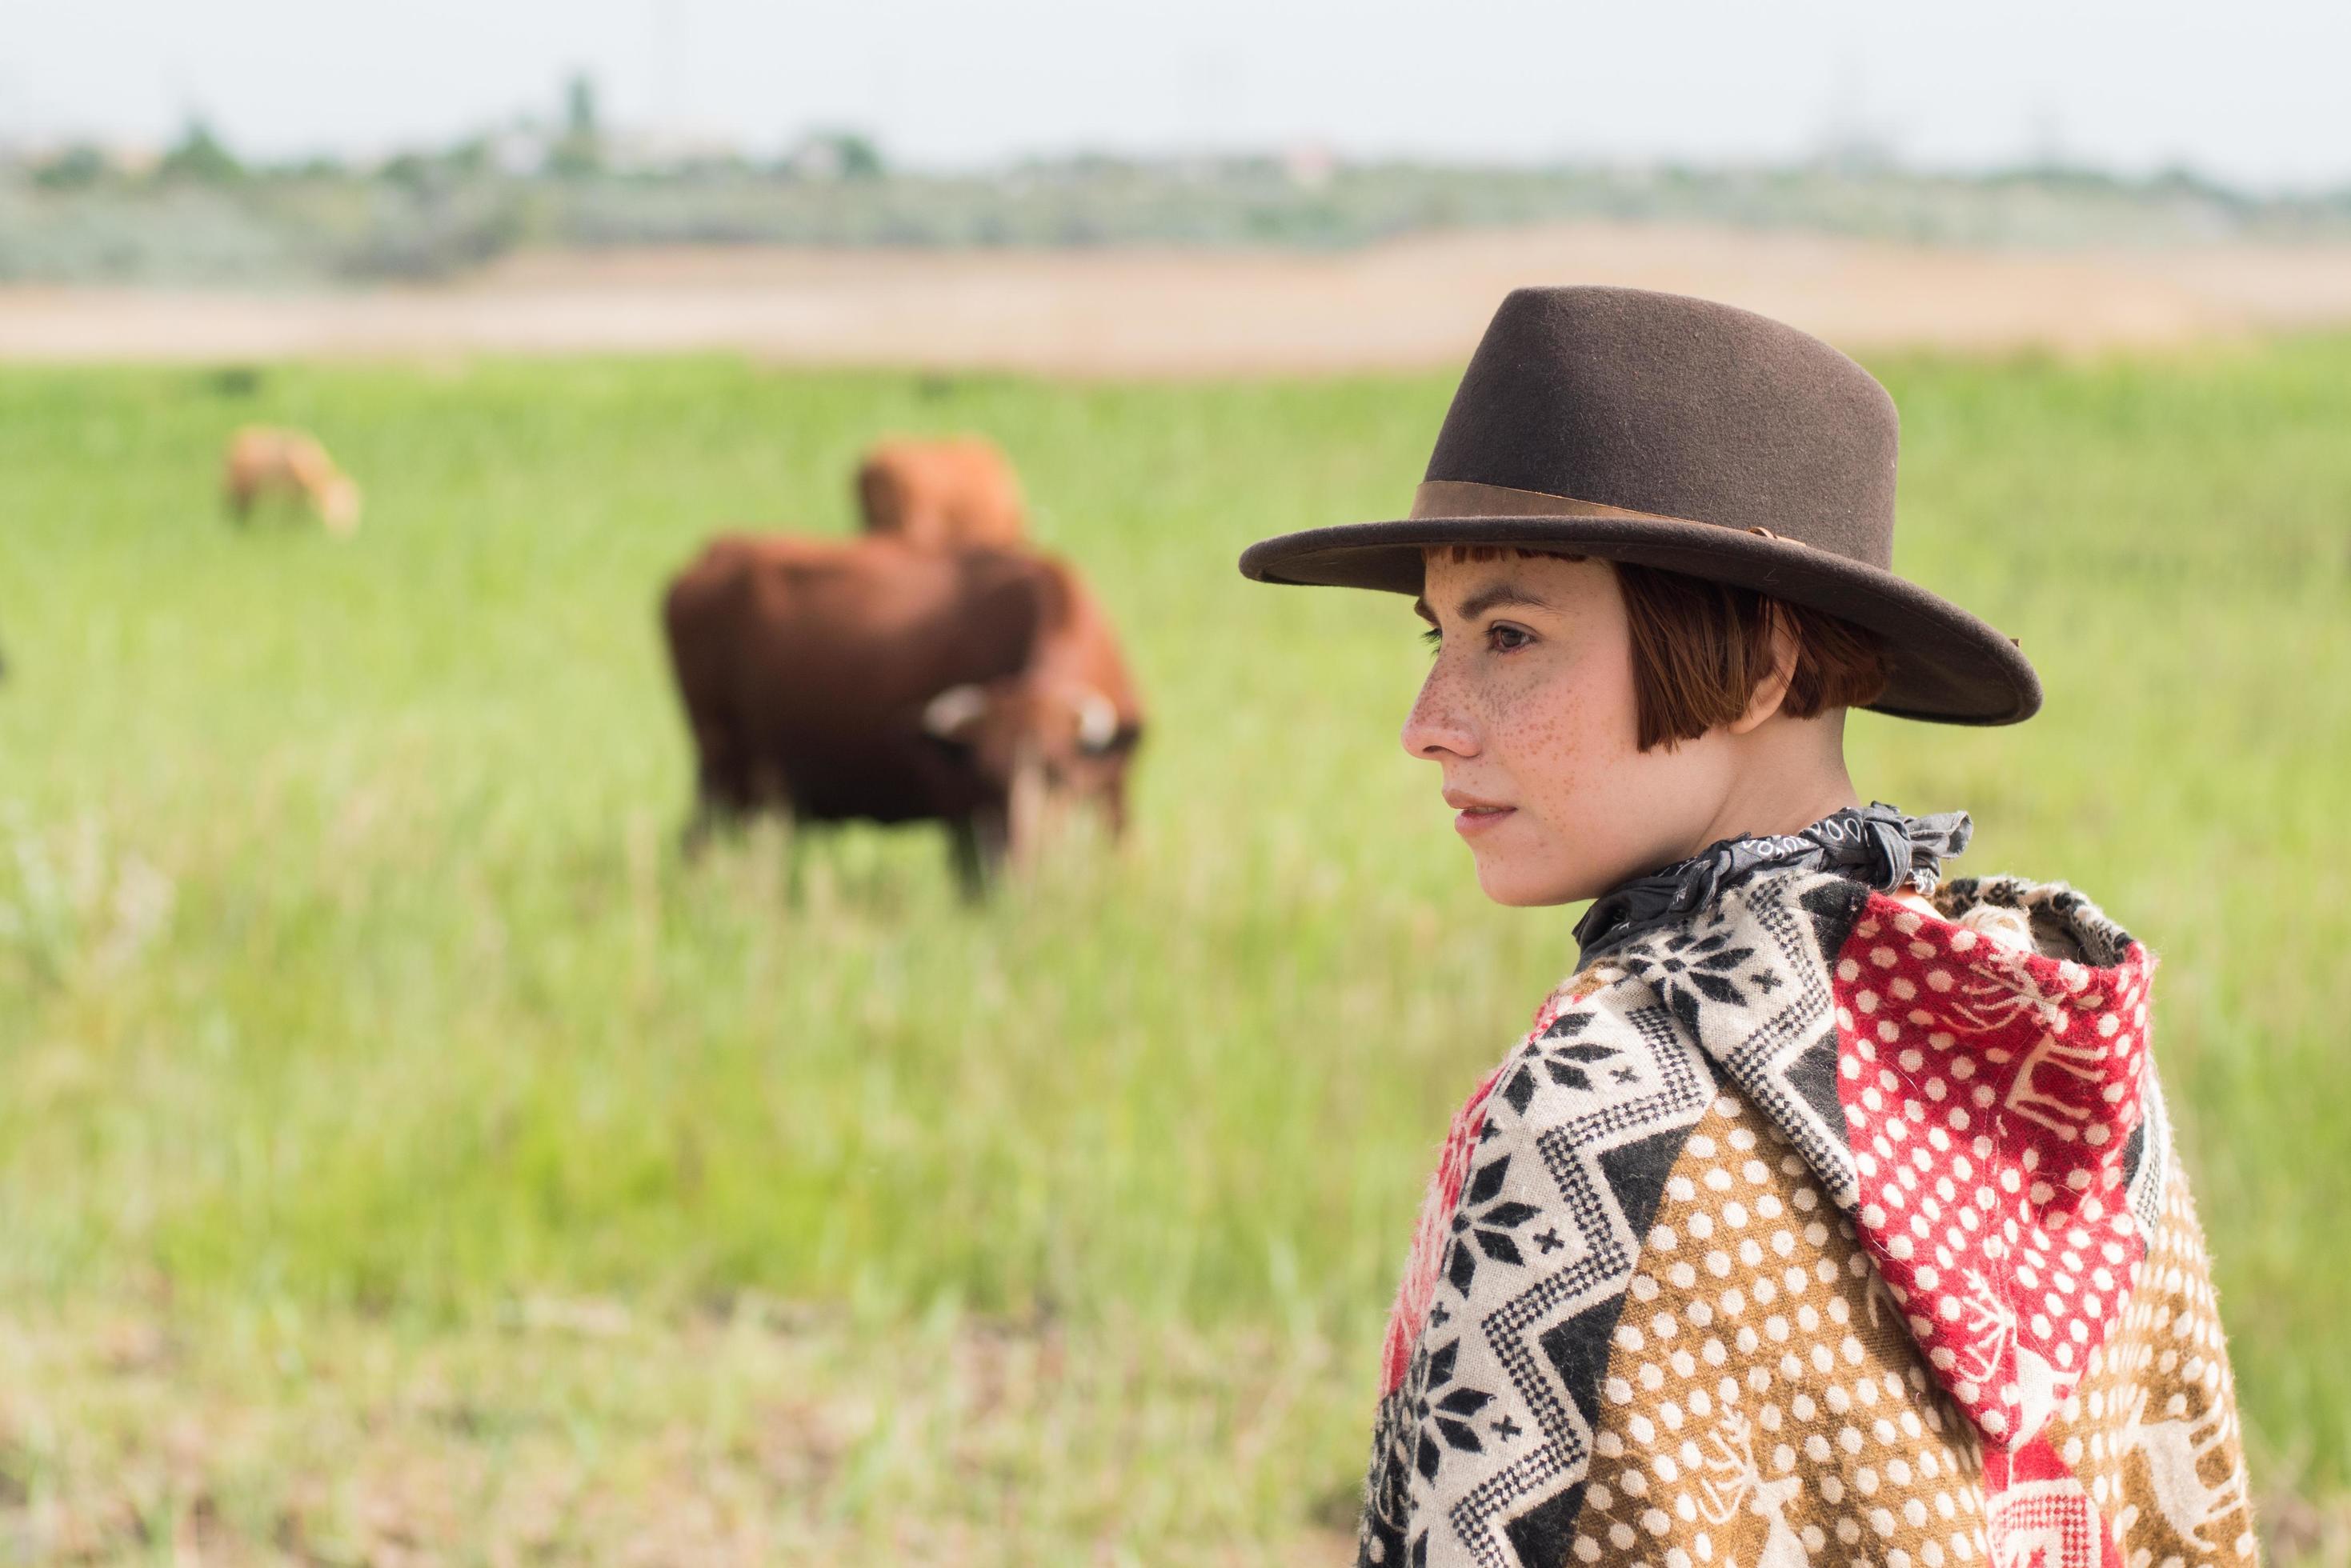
pixel 202 220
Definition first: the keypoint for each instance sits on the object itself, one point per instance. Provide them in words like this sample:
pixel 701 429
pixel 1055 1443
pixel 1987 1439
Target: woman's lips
pixel 1473 816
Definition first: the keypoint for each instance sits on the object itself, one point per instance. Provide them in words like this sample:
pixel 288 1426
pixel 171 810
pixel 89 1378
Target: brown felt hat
pixel 1679 433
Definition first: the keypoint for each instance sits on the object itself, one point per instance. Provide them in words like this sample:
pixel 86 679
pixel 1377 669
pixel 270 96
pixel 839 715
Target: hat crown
pixel 1679 406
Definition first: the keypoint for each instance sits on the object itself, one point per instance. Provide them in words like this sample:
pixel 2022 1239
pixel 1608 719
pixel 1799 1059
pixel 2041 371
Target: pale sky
pixel 2257 91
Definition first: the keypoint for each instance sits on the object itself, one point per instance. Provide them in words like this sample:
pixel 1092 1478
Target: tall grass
pixel 346 961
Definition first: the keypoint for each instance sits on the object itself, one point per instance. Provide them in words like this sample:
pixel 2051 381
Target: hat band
pixel 1466 498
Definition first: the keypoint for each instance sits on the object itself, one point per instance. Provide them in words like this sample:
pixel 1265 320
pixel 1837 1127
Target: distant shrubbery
pixel 199 215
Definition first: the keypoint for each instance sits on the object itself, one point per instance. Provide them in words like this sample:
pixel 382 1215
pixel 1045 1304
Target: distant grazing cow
pixel 940 493
pixel 873 679
pixel 265 462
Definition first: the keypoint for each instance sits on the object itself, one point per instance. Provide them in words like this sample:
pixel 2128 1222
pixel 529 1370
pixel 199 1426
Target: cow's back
pixel 939 494
pixel 267 458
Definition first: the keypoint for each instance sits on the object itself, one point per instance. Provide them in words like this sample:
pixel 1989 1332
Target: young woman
pixel 1828 1212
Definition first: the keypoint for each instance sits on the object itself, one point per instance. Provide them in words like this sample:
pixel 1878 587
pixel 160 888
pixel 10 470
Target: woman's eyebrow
pixel 1484 599
pixel 1496 596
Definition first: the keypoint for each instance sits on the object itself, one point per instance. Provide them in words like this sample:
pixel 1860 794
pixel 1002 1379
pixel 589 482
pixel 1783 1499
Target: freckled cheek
pixel 1539 730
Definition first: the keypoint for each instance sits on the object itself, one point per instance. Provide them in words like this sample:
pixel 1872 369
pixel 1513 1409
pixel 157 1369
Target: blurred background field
pixel 409 1157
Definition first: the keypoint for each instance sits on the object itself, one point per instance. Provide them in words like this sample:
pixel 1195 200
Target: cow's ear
pixel 955 714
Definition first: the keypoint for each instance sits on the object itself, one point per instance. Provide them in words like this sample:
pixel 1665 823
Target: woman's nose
pixel 1437 725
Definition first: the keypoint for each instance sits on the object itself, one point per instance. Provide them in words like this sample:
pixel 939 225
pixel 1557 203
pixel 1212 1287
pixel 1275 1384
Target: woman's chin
pixel 1513 886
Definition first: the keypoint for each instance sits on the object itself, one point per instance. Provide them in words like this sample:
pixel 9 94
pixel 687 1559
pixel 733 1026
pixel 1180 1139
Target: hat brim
pixel 1949 668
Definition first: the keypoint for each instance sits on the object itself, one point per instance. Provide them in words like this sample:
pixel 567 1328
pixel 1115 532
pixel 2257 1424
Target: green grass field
pixel 404 1157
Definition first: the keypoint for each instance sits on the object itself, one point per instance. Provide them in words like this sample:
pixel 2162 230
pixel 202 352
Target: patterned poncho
pixel 1818 1228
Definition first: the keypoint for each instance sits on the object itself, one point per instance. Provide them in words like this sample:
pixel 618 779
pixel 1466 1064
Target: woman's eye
pixel 1503 639
pixel 1434 638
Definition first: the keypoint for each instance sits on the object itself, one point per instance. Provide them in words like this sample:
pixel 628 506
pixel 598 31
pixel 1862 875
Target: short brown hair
pixel 1700 649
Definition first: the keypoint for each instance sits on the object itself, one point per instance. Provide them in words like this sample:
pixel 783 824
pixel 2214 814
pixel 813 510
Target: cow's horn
pixel 953 711
pixel 1097 721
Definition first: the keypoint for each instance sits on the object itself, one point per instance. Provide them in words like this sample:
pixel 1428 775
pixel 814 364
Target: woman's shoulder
pixel 1597 1055
pixel 1613 1108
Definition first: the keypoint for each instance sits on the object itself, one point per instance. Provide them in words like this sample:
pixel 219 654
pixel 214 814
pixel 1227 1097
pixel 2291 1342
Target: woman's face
pixel 1529 710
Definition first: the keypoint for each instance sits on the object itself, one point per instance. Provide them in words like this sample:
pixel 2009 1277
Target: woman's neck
pixel 1789 780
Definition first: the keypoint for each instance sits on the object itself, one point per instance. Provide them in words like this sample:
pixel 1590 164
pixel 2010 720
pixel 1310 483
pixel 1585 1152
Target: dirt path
pixel 1415 301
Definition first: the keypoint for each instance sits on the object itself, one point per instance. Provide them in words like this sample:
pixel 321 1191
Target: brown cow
pixel 264 460
pixel 871 680
pixel 939 494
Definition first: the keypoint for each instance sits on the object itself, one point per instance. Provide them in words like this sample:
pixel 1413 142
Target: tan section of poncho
pixel 1765 1408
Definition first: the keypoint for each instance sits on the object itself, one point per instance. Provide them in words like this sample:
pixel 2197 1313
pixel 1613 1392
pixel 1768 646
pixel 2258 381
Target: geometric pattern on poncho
pixel 1536 1232
pixel 1519 1269
pixel 1525 1247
